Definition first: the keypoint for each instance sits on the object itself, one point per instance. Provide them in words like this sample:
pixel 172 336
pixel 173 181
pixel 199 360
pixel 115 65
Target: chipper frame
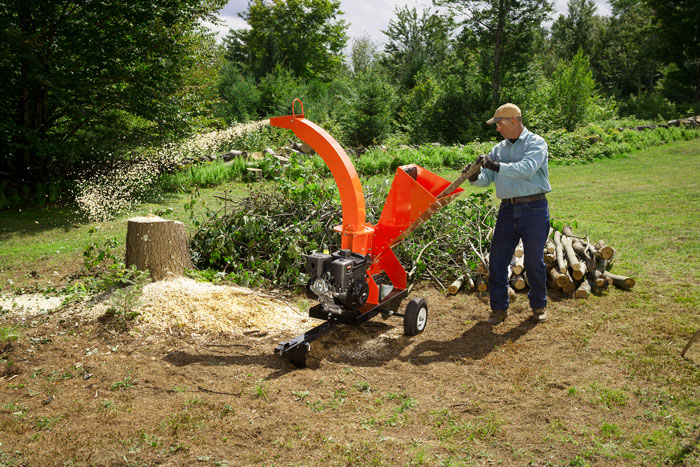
pixel 364 278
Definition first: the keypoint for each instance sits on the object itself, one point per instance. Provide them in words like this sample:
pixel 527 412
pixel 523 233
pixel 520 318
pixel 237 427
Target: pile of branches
pixel 455 239
pixel 575 267
pixel 263 237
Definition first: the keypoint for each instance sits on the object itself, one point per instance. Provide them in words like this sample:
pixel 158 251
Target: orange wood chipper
pixel 364 278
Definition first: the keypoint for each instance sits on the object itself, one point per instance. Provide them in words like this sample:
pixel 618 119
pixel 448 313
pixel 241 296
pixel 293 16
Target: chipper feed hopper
pixel 364 277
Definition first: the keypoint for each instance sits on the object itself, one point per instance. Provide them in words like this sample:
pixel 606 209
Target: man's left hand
pixel 488 163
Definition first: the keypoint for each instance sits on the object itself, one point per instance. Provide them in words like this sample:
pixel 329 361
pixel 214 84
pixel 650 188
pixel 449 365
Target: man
pixel 518 167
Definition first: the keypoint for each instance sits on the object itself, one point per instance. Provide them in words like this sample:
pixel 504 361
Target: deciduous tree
pixel 503 31
pixel 576 29
pixel 304 36
pixel 78 77
pixel 679 26
pixel 415 41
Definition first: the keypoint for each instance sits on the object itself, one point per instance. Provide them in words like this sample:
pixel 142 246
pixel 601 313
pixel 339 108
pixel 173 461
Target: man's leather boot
pixel 539 315
pixel 497 317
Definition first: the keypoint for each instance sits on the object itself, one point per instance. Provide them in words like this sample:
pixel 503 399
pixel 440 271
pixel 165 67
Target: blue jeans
pixel 529 221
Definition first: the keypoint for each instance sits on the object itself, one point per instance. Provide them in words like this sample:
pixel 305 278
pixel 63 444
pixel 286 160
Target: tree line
pixel 87 84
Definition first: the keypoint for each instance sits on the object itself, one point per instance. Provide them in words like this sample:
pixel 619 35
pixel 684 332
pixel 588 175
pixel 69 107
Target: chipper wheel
pixel 416 316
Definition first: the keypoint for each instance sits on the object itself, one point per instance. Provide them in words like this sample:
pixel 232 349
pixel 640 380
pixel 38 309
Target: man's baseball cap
pixel 505 111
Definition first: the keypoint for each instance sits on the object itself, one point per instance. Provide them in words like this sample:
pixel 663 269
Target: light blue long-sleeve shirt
pixel 523 167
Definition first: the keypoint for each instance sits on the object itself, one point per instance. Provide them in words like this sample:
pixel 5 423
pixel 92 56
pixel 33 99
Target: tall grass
pixel 379 161
pixel 203 176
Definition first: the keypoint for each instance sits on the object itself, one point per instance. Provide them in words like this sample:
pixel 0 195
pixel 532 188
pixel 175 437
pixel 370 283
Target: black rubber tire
pixel 416 317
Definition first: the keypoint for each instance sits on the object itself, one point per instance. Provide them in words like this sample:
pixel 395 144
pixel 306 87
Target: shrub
pixel 445 107
pixel 277 91
pixel 650 105
pixel 239 95
pixel 371 106
pixel 573 92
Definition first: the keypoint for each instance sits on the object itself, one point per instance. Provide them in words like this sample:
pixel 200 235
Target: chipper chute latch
pixel 364 278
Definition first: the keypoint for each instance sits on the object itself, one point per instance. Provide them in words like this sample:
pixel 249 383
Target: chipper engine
pixel 338 281
pixel 364 278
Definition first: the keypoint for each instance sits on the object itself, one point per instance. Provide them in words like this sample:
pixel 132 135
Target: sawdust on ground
pixel 29 304
pixel 185 305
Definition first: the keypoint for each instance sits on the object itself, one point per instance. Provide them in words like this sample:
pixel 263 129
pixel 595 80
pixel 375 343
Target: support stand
pixel 297 348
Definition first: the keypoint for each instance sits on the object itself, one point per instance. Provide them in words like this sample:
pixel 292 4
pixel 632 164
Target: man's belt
pixel 524 199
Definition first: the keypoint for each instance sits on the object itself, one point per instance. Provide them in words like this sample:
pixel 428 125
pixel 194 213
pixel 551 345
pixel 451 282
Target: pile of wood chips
pixel 185 306
pixel 575 266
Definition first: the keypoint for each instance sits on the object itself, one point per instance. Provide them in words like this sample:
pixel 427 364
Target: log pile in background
pixel 575 267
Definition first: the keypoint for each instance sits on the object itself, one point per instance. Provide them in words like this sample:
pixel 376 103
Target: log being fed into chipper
pixel 365 278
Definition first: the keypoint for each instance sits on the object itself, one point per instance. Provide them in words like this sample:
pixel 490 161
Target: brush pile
pixel 262 238
pixel 575 267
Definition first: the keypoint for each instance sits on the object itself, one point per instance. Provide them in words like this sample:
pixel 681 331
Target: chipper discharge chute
pixel 364 278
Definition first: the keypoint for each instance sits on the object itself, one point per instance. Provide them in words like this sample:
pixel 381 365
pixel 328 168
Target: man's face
pixel 508 128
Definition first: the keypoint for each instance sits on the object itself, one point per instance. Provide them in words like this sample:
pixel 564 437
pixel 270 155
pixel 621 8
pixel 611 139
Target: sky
pixel 365 17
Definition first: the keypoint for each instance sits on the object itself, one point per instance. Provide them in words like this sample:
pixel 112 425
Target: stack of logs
pixel 575 266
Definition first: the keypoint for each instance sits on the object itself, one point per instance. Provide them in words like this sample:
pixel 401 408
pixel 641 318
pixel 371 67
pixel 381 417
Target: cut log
pixel 470 282
pixel 511 294
pixel 588 265
pixel 519 264
pixel 549 259
pixel 579 273
pixel 566 230
pixel 527 282
pixel 580 248
pixel 569 288
pixel 519 250
pixel 600 281
pixel 559 279
pixel 483 266
pixel 157 245
pixel 583 291
pixel 549 247
pixel 569 280
pixel 456 285
pixel 569 253
pixel 550 283
pixel 481 284
pixel 254 174
pixel 517 282
pixel 561 261
pixel 604 251
pixel 622 282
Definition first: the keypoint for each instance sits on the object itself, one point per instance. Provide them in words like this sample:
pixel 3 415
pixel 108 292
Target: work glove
pixel 475 176
pixel 488 163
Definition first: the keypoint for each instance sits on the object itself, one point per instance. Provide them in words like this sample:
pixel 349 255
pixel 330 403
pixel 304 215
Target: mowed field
pixel 601 383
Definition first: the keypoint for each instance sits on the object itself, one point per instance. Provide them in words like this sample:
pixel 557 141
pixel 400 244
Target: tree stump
pixel 157 245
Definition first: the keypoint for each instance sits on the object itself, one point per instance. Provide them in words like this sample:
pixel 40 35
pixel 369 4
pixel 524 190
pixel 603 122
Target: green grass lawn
pixel 40 246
